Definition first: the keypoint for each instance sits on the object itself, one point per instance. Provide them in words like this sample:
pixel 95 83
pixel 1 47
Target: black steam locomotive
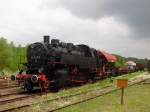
pixel 57 64
pixel 53 65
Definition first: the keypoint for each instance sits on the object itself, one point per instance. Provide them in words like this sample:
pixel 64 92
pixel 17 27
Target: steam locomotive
pixel 57 64
pixel 54 65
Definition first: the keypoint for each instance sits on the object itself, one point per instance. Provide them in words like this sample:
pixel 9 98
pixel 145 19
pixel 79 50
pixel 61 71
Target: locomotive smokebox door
pixel 46 39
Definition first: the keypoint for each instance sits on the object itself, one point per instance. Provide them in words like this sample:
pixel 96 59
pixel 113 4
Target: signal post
pixel 122 83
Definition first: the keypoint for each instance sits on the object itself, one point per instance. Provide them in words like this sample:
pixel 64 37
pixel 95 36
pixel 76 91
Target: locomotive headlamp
pixel 34 78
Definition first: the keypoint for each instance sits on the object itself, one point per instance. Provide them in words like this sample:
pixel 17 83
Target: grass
pixel 136 100
pixel 130 75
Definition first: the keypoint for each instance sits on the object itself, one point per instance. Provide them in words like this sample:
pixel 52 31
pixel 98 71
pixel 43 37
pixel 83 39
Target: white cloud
pixel 26 21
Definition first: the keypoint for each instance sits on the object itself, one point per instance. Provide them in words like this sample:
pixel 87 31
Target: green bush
pixel 11 55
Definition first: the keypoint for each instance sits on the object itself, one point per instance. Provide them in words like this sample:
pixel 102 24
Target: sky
pixel 116 26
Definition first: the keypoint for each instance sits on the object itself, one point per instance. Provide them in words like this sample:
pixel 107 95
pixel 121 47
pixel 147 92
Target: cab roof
pixel 107 56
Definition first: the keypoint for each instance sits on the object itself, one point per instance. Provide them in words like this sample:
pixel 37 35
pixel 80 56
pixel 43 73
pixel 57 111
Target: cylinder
pixel 46 39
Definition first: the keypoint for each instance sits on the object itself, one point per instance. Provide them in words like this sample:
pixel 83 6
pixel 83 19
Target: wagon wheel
pixel 61 77
pixel 28 85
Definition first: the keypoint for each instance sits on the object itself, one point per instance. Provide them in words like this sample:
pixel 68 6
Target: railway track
pixel 51 100
pixel 7 87
pixel 107 90
pixel 6 84
pixel 8 95
pixel 78 102
pixel 18 97
pixel 8 91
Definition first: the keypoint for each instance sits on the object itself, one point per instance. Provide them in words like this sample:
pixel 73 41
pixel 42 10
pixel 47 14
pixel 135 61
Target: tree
pixel 120 61
pixel 5 54
pixel 10 55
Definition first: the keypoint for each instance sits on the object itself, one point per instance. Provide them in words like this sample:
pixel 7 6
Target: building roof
pixel 131 63
pixel 108 57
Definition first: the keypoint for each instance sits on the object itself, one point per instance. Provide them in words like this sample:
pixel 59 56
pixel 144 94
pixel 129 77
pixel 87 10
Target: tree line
pixel 121 61
pixel 11 55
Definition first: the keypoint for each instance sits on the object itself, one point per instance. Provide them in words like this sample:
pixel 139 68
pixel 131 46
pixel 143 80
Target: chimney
pixel 46 39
